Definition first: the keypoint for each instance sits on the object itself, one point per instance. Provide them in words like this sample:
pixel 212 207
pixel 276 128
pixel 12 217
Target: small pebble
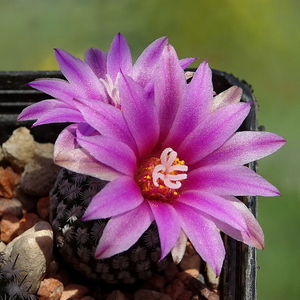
pixel 8 179
pixel 150 295
pixel 39 176
pixel 19 149
pixel 50 289
pixel 10 206
pixel 32 252
pixel 43 208
pixel 175 289
pixel 28 220
pixel 76 291
pixel 9 226
pixel 170 272
pixel 116 295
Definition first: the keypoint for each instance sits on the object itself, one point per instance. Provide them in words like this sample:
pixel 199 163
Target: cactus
pixel 12 285
pixel 77 239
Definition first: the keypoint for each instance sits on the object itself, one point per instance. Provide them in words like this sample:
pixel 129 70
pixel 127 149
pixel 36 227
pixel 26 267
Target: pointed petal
pixel 50 111
pixel 121 232
pixel 146 64
pixel 254 235
pixel 179 248
pixel 57 88
pixel 215 206
pixel 96 59
pixel 203 234
pixel 229 96
pixel 107 120
pixel 117 197
pixel 109 151
pixel 169 88
pixel 166 219
pixel 229 180
pixel 80 74
pixel 140 114
pixel 119 57
pixel 244 147
pixel 68 155
pixel 213 132
pixel 185 62
pixel 194 107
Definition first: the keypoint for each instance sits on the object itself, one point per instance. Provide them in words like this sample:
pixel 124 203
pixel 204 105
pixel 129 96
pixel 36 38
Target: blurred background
pixel 256 40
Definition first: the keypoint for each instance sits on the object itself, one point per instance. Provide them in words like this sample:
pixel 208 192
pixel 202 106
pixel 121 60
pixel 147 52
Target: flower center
pixel 160 178
pixel 112 89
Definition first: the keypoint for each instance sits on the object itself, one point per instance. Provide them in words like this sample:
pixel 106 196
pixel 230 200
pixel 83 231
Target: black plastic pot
pixel 238 278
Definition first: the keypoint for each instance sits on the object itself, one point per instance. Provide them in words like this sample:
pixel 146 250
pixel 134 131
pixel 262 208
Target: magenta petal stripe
pixel 215 206
pixel 147 62
pixel 119 57
pixel 244 147
pixel 96 59
pixel 68 155
pixel 166 217
pixel 254 236
pixel 203 234
pixel 109 151
pixel 140 114
pixel 229 180
pixel 123 194
pixel 213 132
pixel 122 231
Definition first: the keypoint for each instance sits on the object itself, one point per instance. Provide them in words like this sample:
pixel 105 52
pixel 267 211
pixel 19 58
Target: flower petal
pixel 109 151
pixel 213 132
pixel 96 59
pixel 121 231
pixel 215 206
pixel 119 57
pixel 68 155
pixel 140 115
pixel 169 88
pixel 203 234
pixel 106 119
pixel 254 236
pixel 117 197
pixel 194 107
pixel 57 88
pixel 229 180
pixel 185 62
pixel 50 111
pixel 80 74
pixel 244 147
pixel 146 64
pixel 179 248
pixel 166 219
pixel 229 96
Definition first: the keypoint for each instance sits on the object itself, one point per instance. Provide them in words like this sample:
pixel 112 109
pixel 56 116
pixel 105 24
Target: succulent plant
pixel 77 239
pixel 12 285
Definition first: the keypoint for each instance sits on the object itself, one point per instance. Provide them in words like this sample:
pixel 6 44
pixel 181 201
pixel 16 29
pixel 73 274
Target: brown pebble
pixel 28 221
pixel 170 272
pixel 175 289
pixel 184 277
pixel 76 291
pixel 115 295
pixel 156 282
pixel 10 206
pixel 88 298
pixel 150 295
pixel 185 295
pixel 43 208
pixel 193 272
pixel 7 182
pixel 9 227
pixel 50 289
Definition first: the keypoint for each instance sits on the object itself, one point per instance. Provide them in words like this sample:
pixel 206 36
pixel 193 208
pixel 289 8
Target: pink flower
pixel 170 152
